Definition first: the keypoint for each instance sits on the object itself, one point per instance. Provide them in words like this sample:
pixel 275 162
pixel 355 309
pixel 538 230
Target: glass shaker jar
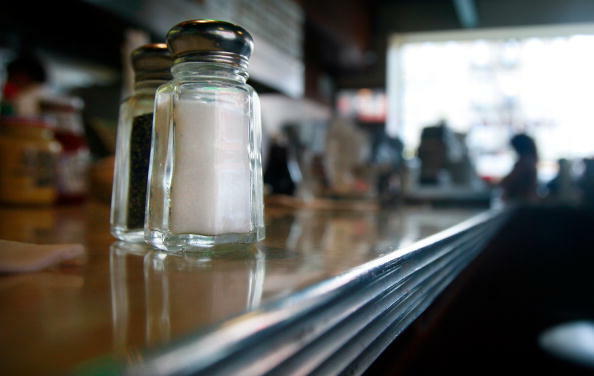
pixel 206 176
pixel 151 64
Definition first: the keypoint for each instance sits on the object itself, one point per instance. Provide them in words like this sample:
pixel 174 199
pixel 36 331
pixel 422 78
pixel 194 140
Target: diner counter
pixel 325 285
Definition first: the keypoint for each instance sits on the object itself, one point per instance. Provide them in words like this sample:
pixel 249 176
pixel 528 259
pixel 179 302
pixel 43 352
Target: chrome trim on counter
pixel 336 326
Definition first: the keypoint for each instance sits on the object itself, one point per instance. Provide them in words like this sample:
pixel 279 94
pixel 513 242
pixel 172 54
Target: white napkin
pixel 16 257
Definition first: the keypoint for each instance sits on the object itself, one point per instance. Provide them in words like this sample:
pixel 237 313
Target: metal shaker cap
pixel 210 41
pixel 151 62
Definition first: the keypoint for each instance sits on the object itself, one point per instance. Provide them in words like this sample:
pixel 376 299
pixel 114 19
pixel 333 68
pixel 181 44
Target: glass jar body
pixel 133 142
pixel 206 174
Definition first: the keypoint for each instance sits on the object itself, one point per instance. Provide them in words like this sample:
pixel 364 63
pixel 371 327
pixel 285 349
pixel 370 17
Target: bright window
pixel 492 84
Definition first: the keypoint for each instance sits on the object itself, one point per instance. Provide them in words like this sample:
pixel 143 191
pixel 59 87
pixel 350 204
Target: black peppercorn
pixel 140 151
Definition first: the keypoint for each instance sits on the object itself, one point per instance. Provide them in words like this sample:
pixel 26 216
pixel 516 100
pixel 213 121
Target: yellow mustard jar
pixel 28 160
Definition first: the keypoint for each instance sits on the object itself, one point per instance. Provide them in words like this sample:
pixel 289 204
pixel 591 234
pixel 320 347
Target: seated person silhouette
pixel 520 185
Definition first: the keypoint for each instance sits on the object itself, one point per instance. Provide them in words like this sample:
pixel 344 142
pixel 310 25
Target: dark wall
pixel 533 12
pixel 345 40
pixel 401 16
pixel 421 15
pixel 68 27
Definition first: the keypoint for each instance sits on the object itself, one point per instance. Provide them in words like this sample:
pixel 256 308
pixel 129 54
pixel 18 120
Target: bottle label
pixel 27 174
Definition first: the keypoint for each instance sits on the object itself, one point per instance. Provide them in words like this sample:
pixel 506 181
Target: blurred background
pixel 374 101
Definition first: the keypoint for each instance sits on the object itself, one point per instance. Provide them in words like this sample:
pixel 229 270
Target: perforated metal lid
pixel 151 62
pixel 210 41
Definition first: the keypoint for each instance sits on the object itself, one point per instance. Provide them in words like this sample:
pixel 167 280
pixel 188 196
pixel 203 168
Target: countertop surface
pixel 124 298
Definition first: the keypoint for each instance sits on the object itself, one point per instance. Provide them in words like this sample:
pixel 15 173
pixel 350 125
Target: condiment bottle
pixel 151 64
pixel 75 159
pixel 206 174
pixel 28 160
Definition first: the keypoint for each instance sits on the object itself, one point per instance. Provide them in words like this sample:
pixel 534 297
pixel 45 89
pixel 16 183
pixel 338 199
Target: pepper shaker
pixel 151 64
pixel 206 171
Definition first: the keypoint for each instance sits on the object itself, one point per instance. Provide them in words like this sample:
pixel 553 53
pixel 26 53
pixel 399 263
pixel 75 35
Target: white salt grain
pixel 210 188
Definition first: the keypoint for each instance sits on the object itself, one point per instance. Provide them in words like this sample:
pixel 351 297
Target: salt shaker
pixel 206 170
pixel 151 64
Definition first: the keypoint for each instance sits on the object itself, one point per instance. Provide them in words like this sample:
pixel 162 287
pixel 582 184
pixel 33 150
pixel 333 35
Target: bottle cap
pixel 210 41
pixel 151 62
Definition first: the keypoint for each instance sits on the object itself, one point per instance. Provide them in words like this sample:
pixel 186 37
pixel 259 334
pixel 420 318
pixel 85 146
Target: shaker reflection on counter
pixel 177 294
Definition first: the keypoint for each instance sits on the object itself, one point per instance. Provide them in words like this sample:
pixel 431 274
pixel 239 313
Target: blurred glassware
pixel 347 154
pixel 563 187
pixel 277 177
pixel 305 162
pixel 387 162
pixel 586 183
pixel 438 148
pixel 28 160
pixel 444 170
pixel 344 161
